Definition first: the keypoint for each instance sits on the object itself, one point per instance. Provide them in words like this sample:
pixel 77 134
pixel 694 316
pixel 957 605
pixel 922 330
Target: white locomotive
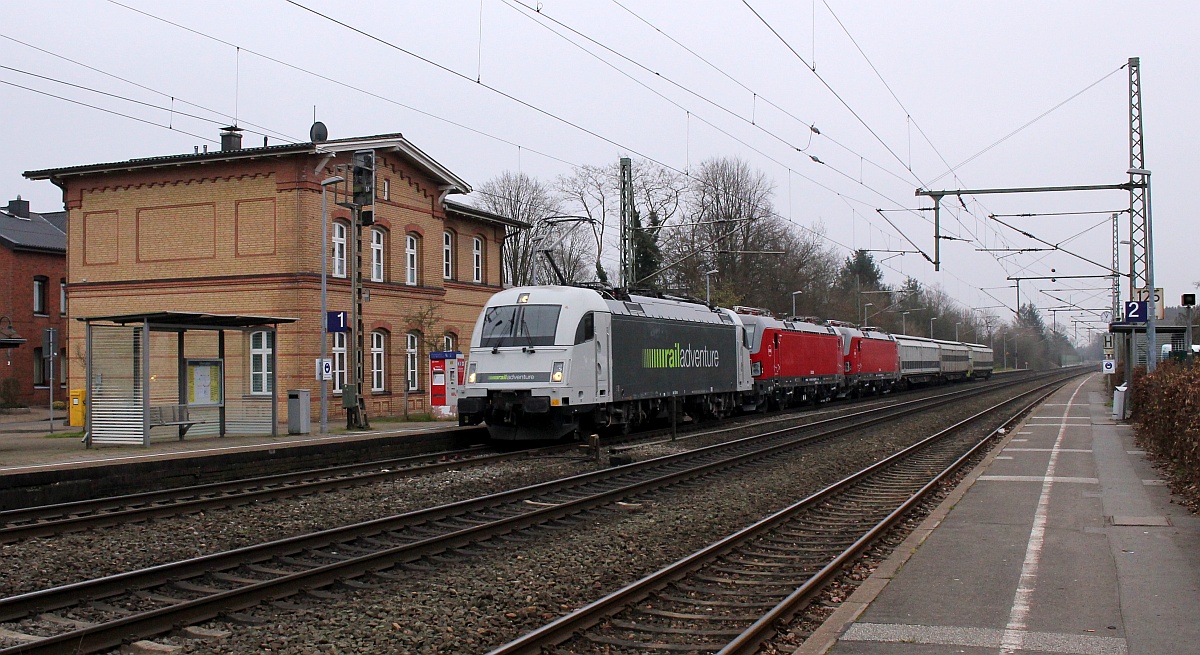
pixel 552 361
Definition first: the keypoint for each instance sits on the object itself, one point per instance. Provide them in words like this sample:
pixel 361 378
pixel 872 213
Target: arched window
pixel 411 371
pixel 447 255
pixel 410 259
pixel 339 360
pixel 377 255
pixel 477 260
pixel 448 342
pixel 378 379
pixel 338 249
pixel 262 345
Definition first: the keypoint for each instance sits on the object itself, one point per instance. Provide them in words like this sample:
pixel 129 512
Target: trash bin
pixel 1119 403
pixel 76 412
pixel 299 407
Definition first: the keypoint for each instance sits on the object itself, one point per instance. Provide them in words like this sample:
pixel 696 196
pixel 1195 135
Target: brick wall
pixel 19 268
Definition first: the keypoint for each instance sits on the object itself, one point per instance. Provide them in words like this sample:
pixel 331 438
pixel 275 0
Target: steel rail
pixel 615 484
pixel 566 627
pixel 46 520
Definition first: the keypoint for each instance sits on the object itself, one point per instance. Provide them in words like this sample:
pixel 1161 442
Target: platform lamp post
pixel 325 184
pixel 864 313
pixel 931 320
pixel 956 330
pixel 904 322
pixel 708 286
pixel 794 294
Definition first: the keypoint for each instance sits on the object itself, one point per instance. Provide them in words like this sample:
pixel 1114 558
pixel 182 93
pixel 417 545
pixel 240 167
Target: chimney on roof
pixel 231 138
pixel 19 208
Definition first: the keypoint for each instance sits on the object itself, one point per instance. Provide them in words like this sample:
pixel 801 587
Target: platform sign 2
pixel 337 321
pixel 1135 311
pixel 1109 366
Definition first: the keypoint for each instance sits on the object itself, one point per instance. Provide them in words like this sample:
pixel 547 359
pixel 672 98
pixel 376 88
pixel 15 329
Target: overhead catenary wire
pixel 840 194
pixel 258 129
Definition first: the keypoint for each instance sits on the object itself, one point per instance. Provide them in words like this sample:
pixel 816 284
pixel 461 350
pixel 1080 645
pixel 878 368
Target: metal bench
pixel 162 415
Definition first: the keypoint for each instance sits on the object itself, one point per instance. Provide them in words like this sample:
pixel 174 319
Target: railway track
pixel 102 613
pixel 728 597
pixel 48 520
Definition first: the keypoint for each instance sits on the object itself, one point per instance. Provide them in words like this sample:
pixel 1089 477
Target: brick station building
pixel 238 231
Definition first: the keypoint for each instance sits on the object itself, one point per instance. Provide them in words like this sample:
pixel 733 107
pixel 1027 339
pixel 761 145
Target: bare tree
pixel 591 191
pixel 595 192
pixel 729 220
pixel 523 198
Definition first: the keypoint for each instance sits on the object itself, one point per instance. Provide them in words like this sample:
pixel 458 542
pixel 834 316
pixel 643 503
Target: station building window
pixel 338 249
pixel 477 260
pixel 378 377
pixel 262 345
pixel 377 239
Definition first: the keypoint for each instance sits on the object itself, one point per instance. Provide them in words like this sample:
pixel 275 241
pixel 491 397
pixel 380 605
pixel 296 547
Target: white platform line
pixel 1047 450
pixel 1038 478
pixel 1015 632
pixel 942 635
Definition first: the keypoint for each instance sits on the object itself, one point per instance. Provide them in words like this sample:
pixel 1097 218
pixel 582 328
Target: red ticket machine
pixel 445 375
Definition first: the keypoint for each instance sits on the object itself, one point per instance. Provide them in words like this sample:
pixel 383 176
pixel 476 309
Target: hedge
pixel 1166 418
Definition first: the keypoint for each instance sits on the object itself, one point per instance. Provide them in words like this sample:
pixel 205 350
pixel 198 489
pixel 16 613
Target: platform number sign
pixel 1135 311
pixel 337 321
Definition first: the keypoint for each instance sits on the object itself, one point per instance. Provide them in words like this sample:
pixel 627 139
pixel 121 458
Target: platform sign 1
pixel 337 321
pixel 1135 311
pixel 1109 366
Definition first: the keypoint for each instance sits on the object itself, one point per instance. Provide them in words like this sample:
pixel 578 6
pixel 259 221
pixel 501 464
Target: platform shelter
pixel 169 374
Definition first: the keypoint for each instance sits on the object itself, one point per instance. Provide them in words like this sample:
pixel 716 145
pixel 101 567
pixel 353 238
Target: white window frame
pixel 377 255
pixel 260 362
pixel 411 372
pixel 338 249
pixel 338 355
pixel 62 297
pixel 378 377
pixel 448 342
pixel 447 255
pixel 387 189
pixel 410 259
pixel 477 260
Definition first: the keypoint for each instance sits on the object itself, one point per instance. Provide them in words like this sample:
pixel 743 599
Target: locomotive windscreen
pixel 519 325
pixel 652 357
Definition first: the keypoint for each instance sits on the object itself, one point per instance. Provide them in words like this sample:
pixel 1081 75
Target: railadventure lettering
pixel 514 377
pixel 680 357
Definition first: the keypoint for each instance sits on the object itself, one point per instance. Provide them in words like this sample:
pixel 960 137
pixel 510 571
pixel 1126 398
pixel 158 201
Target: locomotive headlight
pixel 557 374
pixel 471 373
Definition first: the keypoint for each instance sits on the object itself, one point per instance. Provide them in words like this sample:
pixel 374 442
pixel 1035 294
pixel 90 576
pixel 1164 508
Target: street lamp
pixel 864 312
pixel 931 320
pixel 708 286
pixel 794 294
pixel 904 322
pixel 956 330
pixel 325 184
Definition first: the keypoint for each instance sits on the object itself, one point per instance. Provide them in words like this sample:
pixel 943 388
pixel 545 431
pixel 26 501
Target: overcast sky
pixel 901 94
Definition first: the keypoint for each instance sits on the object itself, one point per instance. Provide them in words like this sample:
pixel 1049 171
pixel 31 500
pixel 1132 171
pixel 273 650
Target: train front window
pixel 519 325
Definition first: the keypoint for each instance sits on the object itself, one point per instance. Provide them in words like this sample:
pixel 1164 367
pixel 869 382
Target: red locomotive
pixel 792 361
